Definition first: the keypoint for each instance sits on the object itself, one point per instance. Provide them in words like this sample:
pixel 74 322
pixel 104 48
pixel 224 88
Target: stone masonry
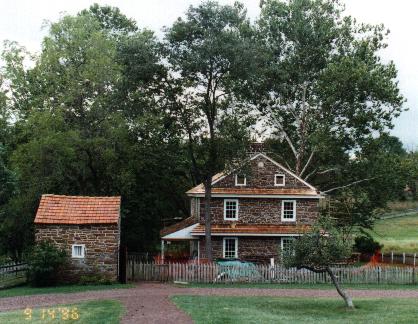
pixel 101 247
pixel 253 249
pixel 260 174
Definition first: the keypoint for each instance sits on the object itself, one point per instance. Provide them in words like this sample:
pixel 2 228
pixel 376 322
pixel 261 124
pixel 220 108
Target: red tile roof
pixel 255 191
pixel 252 229
pixel 57 209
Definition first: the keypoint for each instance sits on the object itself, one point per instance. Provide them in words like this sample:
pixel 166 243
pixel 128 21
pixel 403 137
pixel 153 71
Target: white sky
pixel 22 20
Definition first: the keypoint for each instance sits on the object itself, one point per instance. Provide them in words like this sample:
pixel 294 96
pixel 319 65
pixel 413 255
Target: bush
pixel 44 263
pixel 95 279
pixel 366 244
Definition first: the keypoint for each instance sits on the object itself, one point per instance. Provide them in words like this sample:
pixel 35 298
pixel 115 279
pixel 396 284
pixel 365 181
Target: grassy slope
pixel 398 234
pixel 205 309
pixel 92 312
pixel 26 290
pixel 298 286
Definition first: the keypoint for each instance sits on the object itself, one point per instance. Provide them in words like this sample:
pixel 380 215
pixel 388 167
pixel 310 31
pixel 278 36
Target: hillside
pixel 399 234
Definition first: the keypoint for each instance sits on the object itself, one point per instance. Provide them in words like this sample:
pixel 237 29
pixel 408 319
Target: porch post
pixel 162 251
pixel 198 251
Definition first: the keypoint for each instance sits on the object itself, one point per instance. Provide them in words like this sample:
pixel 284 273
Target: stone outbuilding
pixel 87 228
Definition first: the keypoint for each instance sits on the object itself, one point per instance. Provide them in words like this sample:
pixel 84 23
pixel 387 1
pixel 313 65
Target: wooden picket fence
pixel 209 273
pixel 12 273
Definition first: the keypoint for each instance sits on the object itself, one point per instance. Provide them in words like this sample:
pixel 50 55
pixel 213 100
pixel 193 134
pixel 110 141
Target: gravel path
pixel 150 303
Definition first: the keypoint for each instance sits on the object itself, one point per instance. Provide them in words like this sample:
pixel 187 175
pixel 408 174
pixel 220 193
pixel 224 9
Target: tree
pixel 319 250
pixel 325 90
pixel 209 54
pixel 86 123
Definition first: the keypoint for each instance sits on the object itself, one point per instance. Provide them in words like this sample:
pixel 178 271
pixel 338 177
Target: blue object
pixel 236 270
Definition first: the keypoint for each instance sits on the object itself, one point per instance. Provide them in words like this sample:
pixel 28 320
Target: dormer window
pixel 279 180
pixel 240 180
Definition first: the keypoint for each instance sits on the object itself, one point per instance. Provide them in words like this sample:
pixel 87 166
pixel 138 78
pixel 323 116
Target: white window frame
pixel 240 184
pixel 292 238
pixel 293 219
pixel 224 245
pixel 83 251
pixel 237 211
pixel 279 184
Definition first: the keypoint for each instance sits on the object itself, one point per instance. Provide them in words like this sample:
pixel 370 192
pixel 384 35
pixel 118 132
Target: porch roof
pixel 252 230
pixel 183 234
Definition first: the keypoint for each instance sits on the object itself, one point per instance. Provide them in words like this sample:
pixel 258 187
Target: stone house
pixel 255 213
pixel 87 228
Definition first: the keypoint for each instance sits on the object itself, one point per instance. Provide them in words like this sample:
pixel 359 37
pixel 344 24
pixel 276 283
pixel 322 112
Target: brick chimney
pixel 256 147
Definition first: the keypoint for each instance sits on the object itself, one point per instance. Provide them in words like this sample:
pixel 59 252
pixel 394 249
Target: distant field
pixel 403 205
pixel 399 234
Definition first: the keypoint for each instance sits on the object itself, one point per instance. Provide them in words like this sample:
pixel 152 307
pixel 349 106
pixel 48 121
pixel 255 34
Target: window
pixel 288 210
pixel 230 248
pixel 279 180
pixel 195 207
pixel 240 180
pixel 78 251
pixel 230 209
pixel 287 244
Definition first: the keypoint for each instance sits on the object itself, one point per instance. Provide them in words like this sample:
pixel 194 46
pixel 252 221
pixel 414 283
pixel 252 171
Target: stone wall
pixel 262 211
pixel 101 243
pixel 260 174
pixel 253 249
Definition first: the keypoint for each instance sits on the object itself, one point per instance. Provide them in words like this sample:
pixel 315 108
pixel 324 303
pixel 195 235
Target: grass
pixel 27 290
pixel 211 309
pixel 299 286
pixel 397 234
pixel 92 312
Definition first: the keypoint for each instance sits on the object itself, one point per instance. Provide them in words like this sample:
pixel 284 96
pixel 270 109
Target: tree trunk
pixel 341 292
pixel 208 237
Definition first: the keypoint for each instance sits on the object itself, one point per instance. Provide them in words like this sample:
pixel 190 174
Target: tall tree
pixel 209 53
pixel 86 123
pixel 325 86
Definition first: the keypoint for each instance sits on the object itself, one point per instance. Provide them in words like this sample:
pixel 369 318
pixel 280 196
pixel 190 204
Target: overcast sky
pixel 22 20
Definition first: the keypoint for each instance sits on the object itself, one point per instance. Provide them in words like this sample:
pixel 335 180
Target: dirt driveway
pixel 150 302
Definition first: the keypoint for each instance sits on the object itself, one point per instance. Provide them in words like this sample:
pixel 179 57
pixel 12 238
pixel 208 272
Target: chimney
pixel 256 147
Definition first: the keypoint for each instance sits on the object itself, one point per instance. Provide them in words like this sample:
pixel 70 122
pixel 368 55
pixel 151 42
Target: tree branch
pixel 307 163
pixel 286 136
pixel 348 185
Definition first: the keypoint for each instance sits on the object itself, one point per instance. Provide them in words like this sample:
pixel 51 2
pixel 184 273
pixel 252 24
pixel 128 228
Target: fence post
pixel 413 275
pixel 403 258
pixel 415 258
pixel 133 270
pixel 382 258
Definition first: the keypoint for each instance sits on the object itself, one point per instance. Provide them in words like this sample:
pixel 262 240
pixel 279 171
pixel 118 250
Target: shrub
pixel 44 263
pixel 95 279
pixel 366 244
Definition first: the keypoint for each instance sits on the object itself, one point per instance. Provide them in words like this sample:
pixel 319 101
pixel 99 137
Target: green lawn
pixel 26 290
pixel 397 234
pixel 298 286
pixel 92 312
pixel 211 309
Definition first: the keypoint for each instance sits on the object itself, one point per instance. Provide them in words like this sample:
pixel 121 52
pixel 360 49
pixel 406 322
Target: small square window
pixel 279 180
pixel 78 251
pixel 288 210
pixel 230 248
pixel 230 209
pixel 287 244
pixel 240 180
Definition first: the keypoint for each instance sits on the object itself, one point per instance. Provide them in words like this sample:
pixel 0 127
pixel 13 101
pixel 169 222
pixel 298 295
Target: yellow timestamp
pixel 48 314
